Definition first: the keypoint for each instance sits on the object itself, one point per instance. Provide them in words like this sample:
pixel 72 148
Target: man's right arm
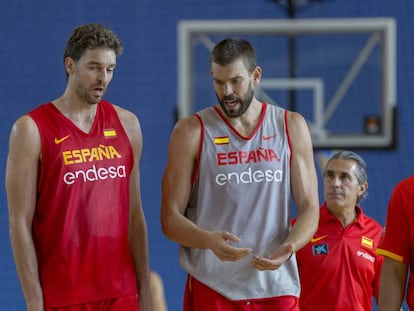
pixel 176 189
pixel 21 186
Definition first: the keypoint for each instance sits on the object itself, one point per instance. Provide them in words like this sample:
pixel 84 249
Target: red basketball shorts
pixel 129 303
pixel 200 297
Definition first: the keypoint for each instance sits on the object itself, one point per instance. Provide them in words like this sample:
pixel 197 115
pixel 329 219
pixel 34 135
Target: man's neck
pixel 345 215
pixel 80 113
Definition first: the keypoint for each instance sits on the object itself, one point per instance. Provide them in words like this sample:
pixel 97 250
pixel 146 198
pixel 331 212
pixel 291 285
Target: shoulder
pixel 187 127
pixel 126 115
pixel 295 120
pixel 405 184
pixel 25 126
pixel 402 193
pixel 129 120
pixel 373 223
pixel 368 221
pixel 185 137
pixel 25 138
pixel 298 131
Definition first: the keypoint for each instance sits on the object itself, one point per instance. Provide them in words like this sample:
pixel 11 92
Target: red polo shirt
pixel 339 269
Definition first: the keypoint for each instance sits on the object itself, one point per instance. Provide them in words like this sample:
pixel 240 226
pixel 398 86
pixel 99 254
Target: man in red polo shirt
pixel 339 269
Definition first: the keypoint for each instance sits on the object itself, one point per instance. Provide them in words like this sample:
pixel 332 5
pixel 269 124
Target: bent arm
pixel 176 189
pixel 305 193
pixel 138 237
pixel 392 285
pixel 176 185
pixel 21 186
pixel 304 183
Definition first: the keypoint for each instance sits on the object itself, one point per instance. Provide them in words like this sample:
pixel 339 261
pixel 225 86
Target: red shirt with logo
pixel 339 269
pixel 80 225
pixel 399 235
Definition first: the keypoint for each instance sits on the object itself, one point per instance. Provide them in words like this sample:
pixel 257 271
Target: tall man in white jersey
pixel 226 193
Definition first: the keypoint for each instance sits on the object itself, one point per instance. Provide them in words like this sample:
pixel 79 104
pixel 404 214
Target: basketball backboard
pixel 346 79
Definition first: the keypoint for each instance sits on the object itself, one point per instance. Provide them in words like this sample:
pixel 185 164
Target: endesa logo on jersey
pixel 366 256
pixel 250 175
pixel 94 173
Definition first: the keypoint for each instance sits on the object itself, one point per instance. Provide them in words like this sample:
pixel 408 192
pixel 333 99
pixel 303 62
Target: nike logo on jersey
pixel 60 140
pixel 268 137
pixel 314 240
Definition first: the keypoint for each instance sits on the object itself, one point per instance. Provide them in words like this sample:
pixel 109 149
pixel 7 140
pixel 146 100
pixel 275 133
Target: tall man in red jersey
pixel 226 193
pixel 397 275
pixel 77 226
pixel 339 269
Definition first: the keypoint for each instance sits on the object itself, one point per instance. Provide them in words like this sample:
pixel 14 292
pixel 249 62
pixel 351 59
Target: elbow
pixel 164 228
pixel 314 227
pixel 168 232
pixel 167 223
pixel 315 222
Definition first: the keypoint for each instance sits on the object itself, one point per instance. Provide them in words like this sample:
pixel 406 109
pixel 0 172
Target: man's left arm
pixel 137 229
pixel 304 185
pixel 138 243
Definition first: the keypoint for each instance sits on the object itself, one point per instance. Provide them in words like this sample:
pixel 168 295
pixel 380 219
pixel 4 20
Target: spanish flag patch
pixel 109 133
pixel 222 140
pixel 367 242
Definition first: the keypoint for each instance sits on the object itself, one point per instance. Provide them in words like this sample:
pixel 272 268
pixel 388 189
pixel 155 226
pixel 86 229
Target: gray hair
pixel 361 172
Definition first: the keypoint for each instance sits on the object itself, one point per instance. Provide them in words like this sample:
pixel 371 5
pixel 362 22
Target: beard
pixel 84 93
pixel 244 102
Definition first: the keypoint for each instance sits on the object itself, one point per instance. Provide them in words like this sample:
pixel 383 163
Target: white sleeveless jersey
pixel 242 185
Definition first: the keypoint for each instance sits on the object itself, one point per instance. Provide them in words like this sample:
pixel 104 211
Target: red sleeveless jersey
pixel 80 226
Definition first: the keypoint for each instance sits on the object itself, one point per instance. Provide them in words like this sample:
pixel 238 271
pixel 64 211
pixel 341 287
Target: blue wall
pixel 33 34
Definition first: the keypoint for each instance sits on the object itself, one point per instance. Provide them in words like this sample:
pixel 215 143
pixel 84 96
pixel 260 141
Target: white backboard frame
pixel 383 32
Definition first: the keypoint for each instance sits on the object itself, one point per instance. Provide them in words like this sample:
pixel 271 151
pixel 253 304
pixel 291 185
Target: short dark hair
pixel 91 36
pixel 361 173
pixel 231 49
